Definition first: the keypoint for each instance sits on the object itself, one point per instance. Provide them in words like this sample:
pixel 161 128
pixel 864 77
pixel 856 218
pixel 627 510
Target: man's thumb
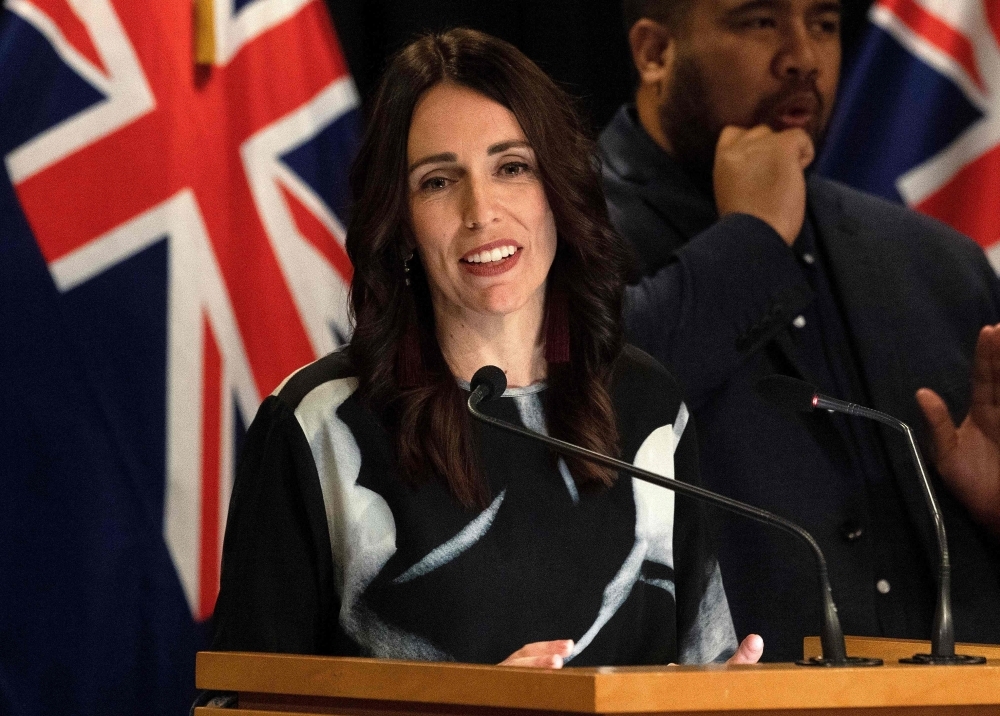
pixel 939 419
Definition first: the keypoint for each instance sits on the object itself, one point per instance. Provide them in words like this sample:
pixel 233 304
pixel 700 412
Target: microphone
pixel 792 394
pixel 490 382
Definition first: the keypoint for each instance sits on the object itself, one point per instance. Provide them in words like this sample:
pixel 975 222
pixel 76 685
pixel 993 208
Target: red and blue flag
pixel 172 213
pixel 918 119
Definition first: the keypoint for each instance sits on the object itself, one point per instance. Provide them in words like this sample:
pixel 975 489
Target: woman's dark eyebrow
pixel 504 146
pixel 450 157
pixel 444 157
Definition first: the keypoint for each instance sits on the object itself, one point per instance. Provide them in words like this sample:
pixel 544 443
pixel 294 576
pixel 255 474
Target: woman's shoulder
pixel 636 368
pixel 332 370
pixel 646 397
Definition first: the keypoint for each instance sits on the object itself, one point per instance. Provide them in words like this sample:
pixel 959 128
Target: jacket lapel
pixel 783 344
pixel 860 263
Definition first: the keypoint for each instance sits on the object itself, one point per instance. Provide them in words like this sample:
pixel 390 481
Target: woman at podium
pixel 371 516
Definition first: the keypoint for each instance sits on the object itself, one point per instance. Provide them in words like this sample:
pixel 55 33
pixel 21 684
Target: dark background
pixel 581 43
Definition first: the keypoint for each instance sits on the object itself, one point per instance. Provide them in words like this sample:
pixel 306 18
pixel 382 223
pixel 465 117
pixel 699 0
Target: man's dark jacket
pixel 716 304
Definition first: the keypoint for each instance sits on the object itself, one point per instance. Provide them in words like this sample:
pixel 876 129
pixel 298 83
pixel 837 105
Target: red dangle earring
pixel 557 328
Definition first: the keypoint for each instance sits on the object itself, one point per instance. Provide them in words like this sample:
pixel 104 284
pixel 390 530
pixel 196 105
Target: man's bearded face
pixel 740 63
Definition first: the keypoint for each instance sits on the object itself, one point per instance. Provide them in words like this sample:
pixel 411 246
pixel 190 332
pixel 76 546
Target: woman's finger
pixel 544 650
pixel 549 661
pixel 562 647
pixel 749 652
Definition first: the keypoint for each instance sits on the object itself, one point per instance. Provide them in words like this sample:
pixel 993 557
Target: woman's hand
pixel 541 654
pixel 550 654
pixel 749 652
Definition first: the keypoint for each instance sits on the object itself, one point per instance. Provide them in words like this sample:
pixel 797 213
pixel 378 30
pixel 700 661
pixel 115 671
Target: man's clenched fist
pixel 761 172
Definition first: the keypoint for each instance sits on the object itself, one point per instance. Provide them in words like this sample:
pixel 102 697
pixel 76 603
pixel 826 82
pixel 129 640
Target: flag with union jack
pixel 918 119
pixel 172 217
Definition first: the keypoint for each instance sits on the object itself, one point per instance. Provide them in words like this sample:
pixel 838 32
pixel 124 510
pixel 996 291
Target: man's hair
pixel 666 12
pixel 425 413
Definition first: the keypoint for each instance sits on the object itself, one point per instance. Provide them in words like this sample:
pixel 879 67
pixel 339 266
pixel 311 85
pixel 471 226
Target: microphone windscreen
pixel 493 378
pixel 786 392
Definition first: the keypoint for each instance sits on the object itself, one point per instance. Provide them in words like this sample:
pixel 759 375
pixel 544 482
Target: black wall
pixel 580 43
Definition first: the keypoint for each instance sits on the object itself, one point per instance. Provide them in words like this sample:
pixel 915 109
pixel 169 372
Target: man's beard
pixel 692 127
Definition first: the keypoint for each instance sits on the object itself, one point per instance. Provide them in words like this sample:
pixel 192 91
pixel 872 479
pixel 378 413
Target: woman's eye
pixel 434 184
pixel 513 169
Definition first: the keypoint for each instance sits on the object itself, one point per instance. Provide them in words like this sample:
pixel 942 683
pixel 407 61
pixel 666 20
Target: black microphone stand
pixel 486 384
pixel 943 629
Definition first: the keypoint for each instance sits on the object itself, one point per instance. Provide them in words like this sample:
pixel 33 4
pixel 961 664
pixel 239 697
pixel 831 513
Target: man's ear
pixel 653 51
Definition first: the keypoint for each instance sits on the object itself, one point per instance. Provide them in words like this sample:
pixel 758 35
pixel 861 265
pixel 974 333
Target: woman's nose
pixel 479 208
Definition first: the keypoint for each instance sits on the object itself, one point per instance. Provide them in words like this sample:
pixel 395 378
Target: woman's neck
pixel 512 341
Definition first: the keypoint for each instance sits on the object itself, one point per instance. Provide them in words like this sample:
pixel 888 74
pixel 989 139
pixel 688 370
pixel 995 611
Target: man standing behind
pixel 751 266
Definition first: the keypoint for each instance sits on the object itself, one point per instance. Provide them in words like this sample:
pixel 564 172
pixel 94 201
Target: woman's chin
pixel 502 302
pixel 468 297
pixel 495 310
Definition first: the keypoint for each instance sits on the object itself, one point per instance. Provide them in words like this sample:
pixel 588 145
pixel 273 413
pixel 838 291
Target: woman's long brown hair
pixel 402 375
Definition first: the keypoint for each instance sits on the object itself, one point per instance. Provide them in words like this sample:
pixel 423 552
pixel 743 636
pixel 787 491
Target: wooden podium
pixel 275 684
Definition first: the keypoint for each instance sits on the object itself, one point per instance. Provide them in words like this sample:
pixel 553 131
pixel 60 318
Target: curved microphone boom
pixel 792 394
pixel 490 382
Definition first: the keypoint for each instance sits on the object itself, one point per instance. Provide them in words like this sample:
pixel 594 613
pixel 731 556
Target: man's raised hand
pixel 968 457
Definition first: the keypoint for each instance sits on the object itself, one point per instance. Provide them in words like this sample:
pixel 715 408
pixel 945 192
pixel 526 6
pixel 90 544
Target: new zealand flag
pixel 171 246
pixel 919 114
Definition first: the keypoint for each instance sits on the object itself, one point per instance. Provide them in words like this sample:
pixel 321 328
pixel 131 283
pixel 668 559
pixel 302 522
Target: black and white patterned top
pixel 327 551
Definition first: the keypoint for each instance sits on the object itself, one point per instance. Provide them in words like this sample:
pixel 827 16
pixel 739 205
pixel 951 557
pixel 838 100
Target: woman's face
pixel 483 227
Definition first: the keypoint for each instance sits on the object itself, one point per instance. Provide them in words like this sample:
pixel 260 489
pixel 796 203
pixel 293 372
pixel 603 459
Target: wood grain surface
pixel 273 683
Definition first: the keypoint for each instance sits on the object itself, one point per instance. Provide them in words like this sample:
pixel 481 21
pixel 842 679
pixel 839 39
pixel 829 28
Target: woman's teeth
pixel 485 257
